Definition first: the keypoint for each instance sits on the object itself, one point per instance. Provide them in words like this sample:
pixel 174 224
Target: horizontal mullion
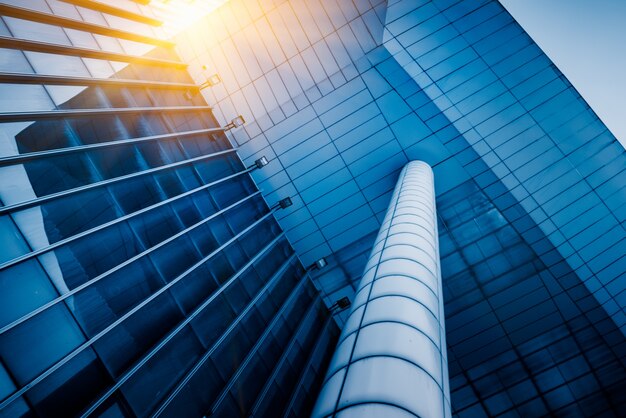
pixel 52 19
pixel 284 356
pixel 64 193
pixel 128 314
pixel 309 362
pixel 56 80
pixel 122 265
pixel 252 353
pixel 195 313
pixel 183 382
pixel 29 156
pixel 111 10
pixel 66 113
pixel 95 229
pixel 48 48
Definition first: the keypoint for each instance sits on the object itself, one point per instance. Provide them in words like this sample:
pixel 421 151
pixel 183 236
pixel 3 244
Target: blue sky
pixel 586 39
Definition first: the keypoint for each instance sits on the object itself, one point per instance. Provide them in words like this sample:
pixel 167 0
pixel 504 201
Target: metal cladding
pixel 391 357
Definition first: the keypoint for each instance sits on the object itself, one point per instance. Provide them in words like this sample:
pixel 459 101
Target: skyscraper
pixel 141 271
pixel 144 273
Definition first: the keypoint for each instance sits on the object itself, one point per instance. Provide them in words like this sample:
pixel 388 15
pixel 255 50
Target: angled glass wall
pixel 142 272
pixel 135 246
pixel 340 95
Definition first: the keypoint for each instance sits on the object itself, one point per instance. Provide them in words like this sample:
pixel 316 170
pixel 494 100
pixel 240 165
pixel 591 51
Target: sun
pixel 178 15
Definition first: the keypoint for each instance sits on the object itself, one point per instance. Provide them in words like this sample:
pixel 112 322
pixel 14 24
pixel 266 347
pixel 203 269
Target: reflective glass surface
pixel 530 183
pixel 141 271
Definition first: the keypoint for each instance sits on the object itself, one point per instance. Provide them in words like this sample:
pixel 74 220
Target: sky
pixel 586 39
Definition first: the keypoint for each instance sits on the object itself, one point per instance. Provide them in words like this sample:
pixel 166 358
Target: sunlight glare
pixel 178 15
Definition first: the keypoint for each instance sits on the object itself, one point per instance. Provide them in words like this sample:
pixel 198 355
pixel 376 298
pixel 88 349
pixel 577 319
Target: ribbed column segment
pixel 391 357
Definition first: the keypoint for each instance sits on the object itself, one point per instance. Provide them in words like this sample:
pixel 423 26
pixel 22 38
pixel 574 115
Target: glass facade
pixel 340 95
pixel 141 271
pixel 144 273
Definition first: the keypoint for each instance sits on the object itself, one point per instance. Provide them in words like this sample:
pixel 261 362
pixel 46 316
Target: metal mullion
pixel 183 382
pixel 66 113
pixel 65 22
pixel 21 158
pixel 61 80
pixel 116 221
pixel 69 192
pixel 121 265
pixel 138 307
pixel 112 10
pixel 50 48
pixel 195 313
pixel 283 358
pixel 185 152
pixel 309 362
pixel 257 345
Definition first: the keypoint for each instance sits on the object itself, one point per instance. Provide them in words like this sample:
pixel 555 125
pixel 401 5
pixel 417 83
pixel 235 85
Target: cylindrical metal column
pixel 391 357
